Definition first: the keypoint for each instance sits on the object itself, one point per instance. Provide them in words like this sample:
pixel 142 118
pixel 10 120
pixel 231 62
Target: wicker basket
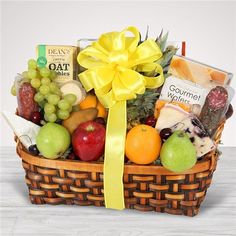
pixel 146 188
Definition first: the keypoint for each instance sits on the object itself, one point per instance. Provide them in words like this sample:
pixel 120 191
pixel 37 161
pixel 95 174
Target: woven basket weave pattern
pixel 179 194
pixel 146 188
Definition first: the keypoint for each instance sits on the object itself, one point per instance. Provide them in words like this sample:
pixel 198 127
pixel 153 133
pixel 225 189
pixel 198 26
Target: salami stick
pixel 213 109
pixel 25 100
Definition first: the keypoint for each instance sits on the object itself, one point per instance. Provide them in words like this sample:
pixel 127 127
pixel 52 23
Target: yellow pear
pixel 78 117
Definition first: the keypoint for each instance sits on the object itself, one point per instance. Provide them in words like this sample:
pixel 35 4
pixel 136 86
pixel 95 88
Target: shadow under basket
pixel 146 188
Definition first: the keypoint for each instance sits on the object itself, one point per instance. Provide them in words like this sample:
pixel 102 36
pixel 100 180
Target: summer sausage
pixel 25 100
pixel 213 109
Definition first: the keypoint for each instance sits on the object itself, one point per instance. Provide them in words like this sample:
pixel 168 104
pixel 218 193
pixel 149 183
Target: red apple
pixel 88 141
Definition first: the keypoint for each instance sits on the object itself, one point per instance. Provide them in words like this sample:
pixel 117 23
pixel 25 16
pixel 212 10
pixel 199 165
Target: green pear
pixel 178 153
pixel 52 140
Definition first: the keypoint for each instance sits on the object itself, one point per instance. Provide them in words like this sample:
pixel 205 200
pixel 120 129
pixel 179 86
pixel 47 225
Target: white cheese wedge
pixel 25 130
pixel 169 116
pixel 74 87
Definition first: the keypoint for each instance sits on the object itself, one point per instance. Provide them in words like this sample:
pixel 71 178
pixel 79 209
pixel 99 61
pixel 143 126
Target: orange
pixel 143 144
pixel 101 110
pixel 91 101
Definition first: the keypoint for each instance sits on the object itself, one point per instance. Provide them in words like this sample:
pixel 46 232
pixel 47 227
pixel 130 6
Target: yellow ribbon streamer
pixel 115 66
pixel 113 166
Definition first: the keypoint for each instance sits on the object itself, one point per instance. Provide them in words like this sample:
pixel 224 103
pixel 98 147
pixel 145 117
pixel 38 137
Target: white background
pixel 209 28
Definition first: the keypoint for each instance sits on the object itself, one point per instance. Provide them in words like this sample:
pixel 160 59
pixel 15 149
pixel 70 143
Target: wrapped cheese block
pixel 161 103
pixel 25 130
pixel 198 73
pixel 193 108
pixel 197 134
pixel 169 115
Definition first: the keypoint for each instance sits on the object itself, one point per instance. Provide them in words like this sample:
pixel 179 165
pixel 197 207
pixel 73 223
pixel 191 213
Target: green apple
pixel 52 140
pixel 178 153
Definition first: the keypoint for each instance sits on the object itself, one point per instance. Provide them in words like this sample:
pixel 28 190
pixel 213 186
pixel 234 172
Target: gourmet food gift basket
pixel 121 123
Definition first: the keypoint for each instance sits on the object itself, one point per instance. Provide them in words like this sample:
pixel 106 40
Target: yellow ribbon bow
pixel 115 66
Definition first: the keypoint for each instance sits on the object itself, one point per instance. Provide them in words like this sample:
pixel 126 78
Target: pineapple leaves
pixel 164 61
pixel 147 31
pixel 143 106
pixel 140 108
pixel 161 40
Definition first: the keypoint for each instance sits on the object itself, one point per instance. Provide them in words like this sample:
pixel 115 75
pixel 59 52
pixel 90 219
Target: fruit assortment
pixel 61 110
pixel 164 131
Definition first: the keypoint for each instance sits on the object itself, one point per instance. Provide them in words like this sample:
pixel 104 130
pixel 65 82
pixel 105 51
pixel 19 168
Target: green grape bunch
pixel 48 94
